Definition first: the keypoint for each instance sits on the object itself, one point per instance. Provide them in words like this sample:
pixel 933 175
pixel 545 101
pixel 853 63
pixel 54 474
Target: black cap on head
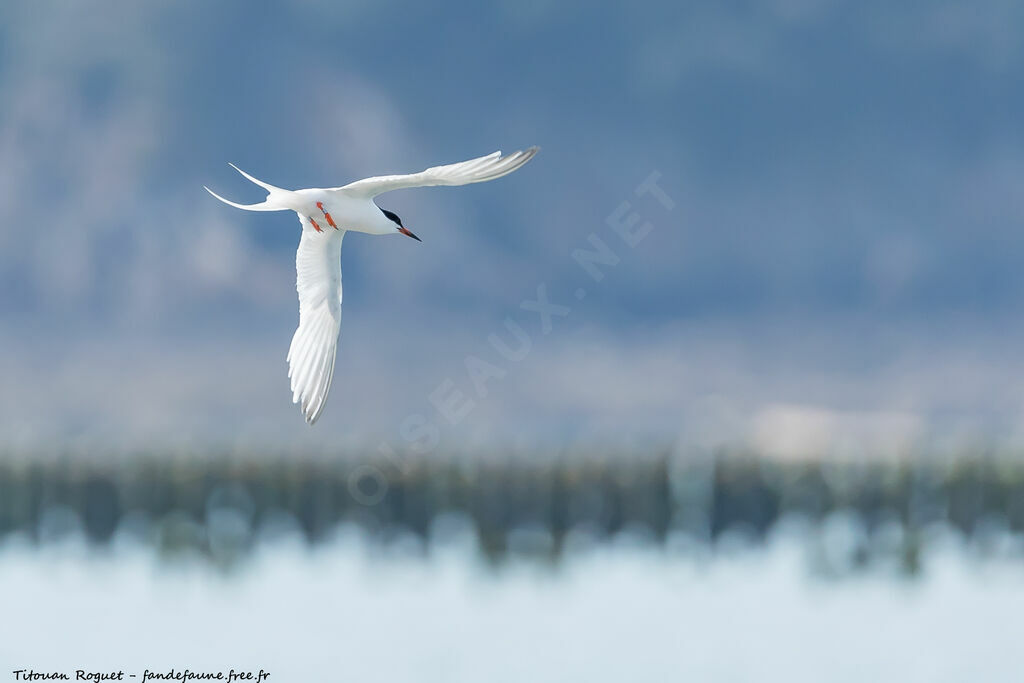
pixel 393 217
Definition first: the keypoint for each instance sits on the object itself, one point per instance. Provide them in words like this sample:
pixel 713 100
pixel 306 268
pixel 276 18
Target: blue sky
pixel 842 259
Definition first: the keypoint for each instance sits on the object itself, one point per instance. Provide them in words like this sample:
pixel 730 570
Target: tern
pixel 326 214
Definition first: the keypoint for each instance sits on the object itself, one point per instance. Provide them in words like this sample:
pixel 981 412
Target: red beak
pixel 408 234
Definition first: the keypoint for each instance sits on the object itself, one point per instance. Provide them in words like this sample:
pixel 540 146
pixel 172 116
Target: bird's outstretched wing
pixel 476 170
pixel 311 355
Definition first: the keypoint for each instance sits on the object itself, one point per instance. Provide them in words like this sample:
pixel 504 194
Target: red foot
pixel 330 221
pixel 315 226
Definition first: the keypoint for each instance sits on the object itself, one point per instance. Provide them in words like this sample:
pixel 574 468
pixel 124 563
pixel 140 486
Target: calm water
pixel 350 609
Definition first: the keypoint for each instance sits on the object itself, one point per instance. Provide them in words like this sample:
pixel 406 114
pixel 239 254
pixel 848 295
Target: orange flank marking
pixel 330 221
pixel 315 226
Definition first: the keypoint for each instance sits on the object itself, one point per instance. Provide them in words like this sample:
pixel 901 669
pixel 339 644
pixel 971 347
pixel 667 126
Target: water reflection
pixel 621 607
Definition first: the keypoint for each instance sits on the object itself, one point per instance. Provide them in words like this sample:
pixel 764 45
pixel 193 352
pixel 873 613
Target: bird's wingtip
pixel 312 412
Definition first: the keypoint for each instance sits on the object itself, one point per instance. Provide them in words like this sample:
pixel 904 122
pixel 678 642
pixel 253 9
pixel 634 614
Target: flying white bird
pixel 326 214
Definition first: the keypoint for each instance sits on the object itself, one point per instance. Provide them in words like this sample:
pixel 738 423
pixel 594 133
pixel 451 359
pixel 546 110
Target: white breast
pixel 360 215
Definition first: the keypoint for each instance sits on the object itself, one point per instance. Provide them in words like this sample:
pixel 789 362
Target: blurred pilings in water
pixel 221 507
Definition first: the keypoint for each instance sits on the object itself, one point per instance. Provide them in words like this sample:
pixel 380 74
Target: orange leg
pixel 330 221
pixel 315 226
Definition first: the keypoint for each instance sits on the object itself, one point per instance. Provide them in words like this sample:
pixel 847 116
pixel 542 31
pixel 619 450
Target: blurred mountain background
pixel 840 270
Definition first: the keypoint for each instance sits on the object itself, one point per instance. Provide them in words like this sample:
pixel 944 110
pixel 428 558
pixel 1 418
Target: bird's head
pixel 393 217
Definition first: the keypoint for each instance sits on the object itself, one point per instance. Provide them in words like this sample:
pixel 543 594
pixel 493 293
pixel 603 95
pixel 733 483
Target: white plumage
pixel 476 170
pixel 315 344
pixel 325 215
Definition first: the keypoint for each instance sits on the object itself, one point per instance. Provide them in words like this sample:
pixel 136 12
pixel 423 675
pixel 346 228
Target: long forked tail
pixel 273 202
